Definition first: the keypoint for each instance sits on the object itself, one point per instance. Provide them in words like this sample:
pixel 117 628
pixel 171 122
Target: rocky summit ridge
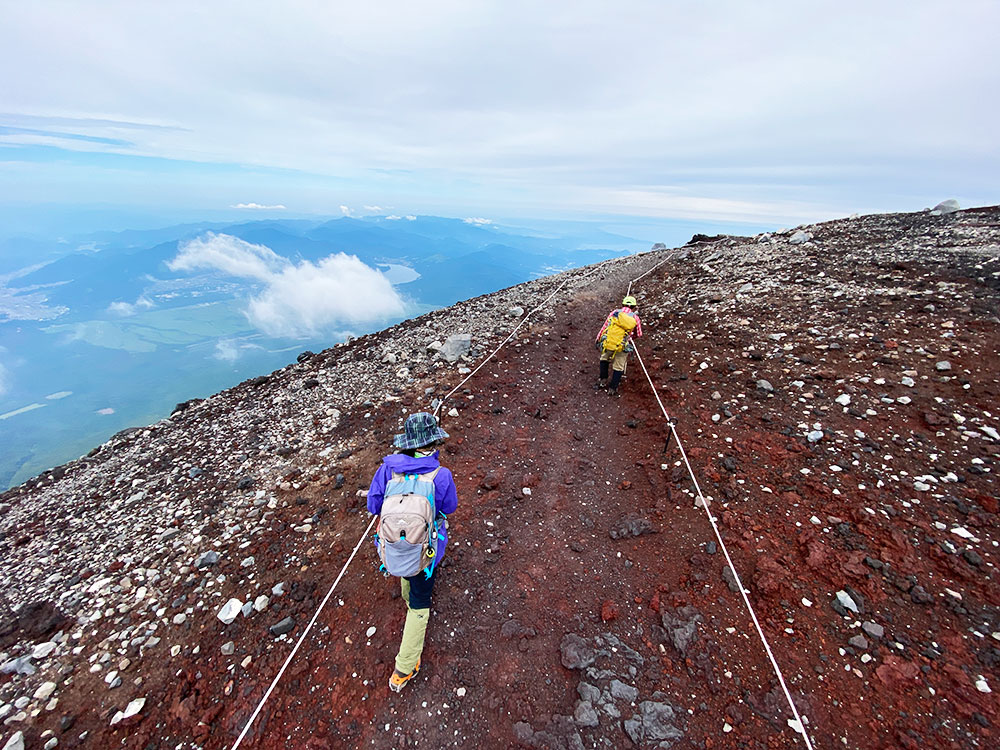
pixel 837 388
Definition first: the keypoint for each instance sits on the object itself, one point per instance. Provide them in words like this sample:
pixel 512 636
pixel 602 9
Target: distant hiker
pixel 412 493
pixel 615 344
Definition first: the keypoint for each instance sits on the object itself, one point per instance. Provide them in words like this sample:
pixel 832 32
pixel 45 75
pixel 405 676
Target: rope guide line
pixel 729 561
pixel 301 639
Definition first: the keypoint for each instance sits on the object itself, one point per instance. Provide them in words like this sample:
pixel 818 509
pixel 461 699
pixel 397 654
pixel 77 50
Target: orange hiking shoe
pixel 398 680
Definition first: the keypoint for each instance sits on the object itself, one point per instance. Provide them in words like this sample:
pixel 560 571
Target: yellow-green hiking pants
pixel 414 630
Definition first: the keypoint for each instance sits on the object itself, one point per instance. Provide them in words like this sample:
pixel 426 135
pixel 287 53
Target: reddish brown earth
pixel 547 562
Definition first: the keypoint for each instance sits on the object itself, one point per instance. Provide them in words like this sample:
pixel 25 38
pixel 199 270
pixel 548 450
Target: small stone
pixel 765 386
pixel 623 692
pixel 585 715
pixel 799 237
pixel 858 641
pixel 131 710
pixel 45 691
pixel 206 559
pixel 16 742
pixel 815 436
pixel 460 692
pixel 575 652
pixel 370 632
pixel 282 626
pixel 228 648
pixel 873 629
pixel 179 618
pixel 260 603
pixel 845 600
pixel 843 399
pixel 42 650
pixel 230 610
pixel 982 686
pixel 943 366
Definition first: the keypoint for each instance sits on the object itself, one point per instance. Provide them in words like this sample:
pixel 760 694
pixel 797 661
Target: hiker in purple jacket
pixel 417 455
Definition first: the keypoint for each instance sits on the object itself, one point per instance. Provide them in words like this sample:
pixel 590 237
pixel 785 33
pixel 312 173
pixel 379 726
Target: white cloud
pixel 125 309
pixel 393 218
pixel 296 299
pixel 374 209
pixel 260 206
pixel 106 411
pixel 345 210
pixel 478 222
pixel 226 350
pixel 231 255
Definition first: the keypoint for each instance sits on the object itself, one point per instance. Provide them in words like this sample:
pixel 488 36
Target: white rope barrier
pixel 301 639
pixel 800 726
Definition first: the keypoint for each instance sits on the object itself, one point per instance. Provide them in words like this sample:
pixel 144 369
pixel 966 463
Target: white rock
pixel 230 610
pixel 370 632
pixel 981 685
pixel 42 650
pixel 991 432
pixel 260 603
pixel 908 382
pixel 51 743
pixel 45 691
pixel 130 710
pixel 962 532
pixel 453 412
pixel 846 601
pixel 16 742
pixel 179 618
pixel 844 399
pixel 806 602
pixel 460 692
pixel 949 206
pixel 799 236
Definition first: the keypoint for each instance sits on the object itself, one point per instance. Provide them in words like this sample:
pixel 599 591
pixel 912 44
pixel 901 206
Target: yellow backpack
pixel 619 330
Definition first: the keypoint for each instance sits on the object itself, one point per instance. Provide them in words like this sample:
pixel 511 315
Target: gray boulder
pixel 456 346
pixel 653 722
pixel 575 652
pixel 681 626
pixel 949 206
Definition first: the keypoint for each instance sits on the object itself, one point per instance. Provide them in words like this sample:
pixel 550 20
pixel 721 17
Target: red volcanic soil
pixel 575 519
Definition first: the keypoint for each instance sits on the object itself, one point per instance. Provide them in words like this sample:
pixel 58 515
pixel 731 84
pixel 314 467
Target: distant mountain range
pixel 100 332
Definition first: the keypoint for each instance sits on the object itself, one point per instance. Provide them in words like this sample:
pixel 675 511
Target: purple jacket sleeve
pixel 376 492
pixel 445 493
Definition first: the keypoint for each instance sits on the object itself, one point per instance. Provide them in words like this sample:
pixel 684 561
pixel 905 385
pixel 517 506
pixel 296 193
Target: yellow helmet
pixel 629 301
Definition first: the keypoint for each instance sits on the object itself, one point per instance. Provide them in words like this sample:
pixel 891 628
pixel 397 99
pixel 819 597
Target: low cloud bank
pixel 260 206
pixel 297 299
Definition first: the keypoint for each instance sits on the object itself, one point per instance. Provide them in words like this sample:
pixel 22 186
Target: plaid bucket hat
pixel 420 429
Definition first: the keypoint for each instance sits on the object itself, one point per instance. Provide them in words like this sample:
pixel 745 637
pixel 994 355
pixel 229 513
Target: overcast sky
pixel 768 112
